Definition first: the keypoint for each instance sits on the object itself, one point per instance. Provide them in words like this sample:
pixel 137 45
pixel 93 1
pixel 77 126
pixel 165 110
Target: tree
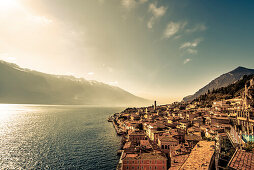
pixel 140 126
pixel 249 146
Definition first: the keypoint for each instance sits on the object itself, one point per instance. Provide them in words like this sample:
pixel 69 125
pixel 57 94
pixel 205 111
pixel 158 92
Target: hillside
pixel 233 90
pixel 222 81
pixel 18 85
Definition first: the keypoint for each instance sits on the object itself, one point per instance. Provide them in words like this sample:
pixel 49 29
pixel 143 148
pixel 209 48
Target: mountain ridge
pixel 24 86
pixel 234 90
pixel 221 81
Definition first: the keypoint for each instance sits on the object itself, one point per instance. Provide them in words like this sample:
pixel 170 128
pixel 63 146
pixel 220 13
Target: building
pixel 183 124
pixel 245 115
pixel 220 120
pixel 220 105
pixel 177 161
pixel 166 143
pixel 191 115
pixel 241 160
pixel 192 139
pixel 135 117
pixel 155 106
pixel 201 157
pixel 144 161
pixel 136 136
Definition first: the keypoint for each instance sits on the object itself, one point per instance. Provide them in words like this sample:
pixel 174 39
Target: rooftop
pixel 192 137
pixel 145 143
pixel 145 156
pixel 167 139
pixel 137 133
pixel 242 160
pixel 177 161
pixel 200 156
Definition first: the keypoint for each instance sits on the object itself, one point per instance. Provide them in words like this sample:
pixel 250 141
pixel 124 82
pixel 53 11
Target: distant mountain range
pixel 24 86
pixel 222 81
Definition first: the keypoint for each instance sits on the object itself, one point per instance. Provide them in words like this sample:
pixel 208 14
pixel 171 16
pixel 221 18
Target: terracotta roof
pixel 193 137
pixel 137 133
pixel 127 145
pixel 177 161
pixel 222 118
pixel 145 143
pixel 242 160
pixel 145 156
pixel 167 139
pixel 200 156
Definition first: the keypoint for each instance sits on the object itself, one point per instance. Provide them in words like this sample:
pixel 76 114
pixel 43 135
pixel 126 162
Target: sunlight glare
pixel 6 5
pixel 6 110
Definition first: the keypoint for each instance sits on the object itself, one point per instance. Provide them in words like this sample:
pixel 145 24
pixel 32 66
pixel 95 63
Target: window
pixel 133 167
pixel 155 167
pixel 127 167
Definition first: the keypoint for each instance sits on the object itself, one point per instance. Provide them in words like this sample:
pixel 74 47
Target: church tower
pixel 154 106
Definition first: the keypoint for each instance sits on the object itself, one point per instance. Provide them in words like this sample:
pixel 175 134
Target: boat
pixel 110 119
pixel 119 152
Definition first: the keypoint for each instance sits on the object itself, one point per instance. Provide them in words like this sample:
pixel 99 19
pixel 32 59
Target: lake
pixel 57 137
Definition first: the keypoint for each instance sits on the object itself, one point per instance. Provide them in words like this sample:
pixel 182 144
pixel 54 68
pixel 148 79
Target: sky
pixel 157 49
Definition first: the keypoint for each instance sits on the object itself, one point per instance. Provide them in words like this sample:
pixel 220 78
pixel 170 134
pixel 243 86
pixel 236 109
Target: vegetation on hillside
pixel 229 92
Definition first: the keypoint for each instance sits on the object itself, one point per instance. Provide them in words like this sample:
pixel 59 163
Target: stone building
pixel 142 161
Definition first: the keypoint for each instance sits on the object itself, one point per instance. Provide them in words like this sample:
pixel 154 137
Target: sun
pixel 6 5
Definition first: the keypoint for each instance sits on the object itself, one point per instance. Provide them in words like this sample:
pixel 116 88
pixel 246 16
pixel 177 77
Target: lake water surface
pixel 57 137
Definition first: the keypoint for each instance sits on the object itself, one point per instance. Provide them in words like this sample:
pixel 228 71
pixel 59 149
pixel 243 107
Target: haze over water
pixel 57 137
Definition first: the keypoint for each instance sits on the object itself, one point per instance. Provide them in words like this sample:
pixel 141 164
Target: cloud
pixel 7 57
pixel 132 3
pixel 173 28
pixel 177 37
pixel 186 60
pixel 157 12
pixel 129 3
pixel 42 20
pixel 192 51
pixel 191 44
pixel 197 28
pixel 90 73
pixel 113 83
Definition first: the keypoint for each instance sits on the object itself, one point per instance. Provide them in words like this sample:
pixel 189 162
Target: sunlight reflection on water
pixel 55 137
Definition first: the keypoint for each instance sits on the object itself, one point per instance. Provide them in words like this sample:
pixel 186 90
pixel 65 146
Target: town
pixel 188 135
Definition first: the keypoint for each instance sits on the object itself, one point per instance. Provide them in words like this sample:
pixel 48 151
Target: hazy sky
pixel 157 49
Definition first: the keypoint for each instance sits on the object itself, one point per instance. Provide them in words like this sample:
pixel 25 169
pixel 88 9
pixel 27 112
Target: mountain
pixel 234 90
pixel 222 81
pixel 24 86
